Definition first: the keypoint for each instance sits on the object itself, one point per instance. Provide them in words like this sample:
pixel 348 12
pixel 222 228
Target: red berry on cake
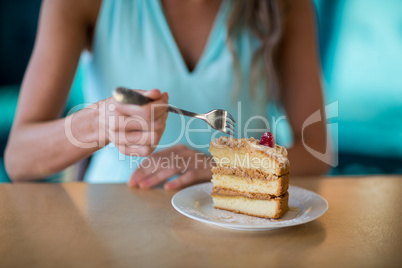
pixel 267 139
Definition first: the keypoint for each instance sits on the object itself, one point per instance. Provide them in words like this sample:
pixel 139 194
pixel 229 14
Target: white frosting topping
pixel 272 150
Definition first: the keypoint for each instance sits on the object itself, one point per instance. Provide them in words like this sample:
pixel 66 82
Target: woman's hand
pixel 191 166
pixel 133 129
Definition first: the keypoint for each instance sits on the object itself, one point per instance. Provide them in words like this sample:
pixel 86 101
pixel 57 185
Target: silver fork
pixel 218 119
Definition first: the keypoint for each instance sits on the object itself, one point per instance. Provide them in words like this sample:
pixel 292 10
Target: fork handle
pixel 176 110
pixel 125 95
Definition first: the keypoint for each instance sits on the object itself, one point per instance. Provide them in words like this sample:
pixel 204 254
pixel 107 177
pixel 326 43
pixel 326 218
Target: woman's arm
pixel 300 80
pixel 39 144
pixel 37 138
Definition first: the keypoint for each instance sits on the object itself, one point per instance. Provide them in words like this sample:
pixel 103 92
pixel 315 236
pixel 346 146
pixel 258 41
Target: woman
pixel 203 53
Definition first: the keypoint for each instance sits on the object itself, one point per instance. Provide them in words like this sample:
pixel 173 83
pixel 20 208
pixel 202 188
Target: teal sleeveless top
pixel 134 47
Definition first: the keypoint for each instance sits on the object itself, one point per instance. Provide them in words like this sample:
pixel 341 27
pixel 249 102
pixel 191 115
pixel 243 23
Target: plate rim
pixel 234 226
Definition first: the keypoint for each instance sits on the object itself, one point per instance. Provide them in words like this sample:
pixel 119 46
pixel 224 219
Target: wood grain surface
pixel 111 225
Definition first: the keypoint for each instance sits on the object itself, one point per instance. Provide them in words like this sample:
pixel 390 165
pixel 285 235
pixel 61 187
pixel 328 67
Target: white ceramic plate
pixel 195 202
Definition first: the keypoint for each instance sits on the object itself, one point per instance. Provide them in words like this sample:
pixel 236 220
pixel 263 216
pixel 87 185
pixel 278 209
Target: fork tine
pixel 230 116
pixel 229 127
pixel 229 132
pixel 229 123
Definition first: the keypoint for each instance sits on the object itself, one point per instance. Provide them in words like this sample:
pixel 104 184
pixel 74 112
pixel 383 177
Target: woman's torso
pixel 133 46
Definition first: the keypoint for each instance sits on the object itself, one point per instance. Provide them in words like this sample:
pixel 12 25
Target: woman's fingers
pixel 134 129
pixel 186 179
pixel 148 112
pixel 157 177
pixel 164 164
pixel 154 163
pixel 136 122
pixel 190 177
pixel 153 93
pixel 129 117
pixel 136 152
pixel 136 139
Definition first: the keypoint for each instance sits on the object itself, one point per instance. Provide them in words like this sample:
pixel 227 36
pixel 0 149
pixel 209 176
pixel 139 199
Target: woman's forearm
pixel 39 149
pixel 302 163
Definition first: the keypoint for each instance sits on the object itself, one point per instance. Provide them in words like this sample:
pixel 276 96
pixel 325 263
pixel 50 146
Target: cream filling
pixel 272 187
pixel 242 159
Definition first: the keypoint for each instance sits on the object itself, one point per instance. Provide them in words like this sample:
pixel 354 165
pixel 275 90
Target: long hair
pixel 264 19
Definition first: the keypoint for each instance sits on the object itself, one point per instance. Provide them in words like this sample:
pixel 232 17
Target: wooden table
pixel 110 225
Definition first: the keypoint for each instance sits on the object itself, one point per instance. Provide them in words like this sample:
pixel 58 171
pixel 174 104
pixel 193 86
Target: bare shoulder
pixel 296 11
pixel 85 9
pixel 81 14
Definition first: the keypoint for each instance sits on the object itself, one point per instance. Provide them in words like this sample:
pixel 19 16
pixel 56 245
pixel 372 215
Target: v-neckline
pixel 173 44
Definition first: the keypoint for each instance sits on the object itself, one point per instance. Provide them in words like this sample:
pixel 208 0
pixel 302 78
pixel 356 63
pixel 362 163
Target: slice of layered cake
pixel 250 177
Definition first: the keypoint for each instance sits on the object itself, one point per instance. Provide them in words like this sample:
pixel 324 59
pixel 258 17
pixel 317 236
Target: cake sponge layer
pixel 272 209
pixel 276 187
